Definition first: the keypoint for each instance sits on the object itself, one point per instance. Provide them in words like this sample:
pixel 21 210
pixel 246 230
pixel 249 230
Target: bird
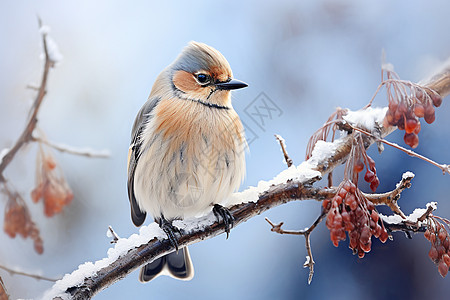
pixel 187 151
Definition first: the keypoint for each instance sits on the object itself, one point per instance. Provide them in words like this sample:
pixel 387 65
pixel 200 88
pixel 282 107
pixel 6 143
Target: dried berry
pixel 51 186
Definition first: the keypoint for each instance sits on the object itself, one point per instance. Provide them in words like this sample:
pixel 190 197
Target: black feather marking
pixel 137 215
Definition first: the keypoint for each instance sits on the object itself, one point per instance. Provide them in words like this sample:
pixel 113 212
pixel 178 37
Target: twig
pixel 26 135
pixel 38 277
pixel 307 232
pixel 114 235
pixel 390 198
pixel 71 150
pixel 289 161
pixel 444 167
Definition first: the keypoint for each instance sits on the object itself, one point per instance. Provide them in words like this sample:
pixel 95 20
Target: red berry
pixel 347 186
pixel 446 243
pixel 433 254
pixel 411 139
pixel 418 127
pixel 393 106
pixel 389 118
pixel 419 110
pixel 410 125
pixel 440 250
pixel 443 268
pixel 433 238
pixel 374 184
pixel 429 114
pixel 342 192
pixel 437 99
pixel 402 108
pixel 442 234
pixel 369 176
pixel 358 166
pixel 384 236
pixel 446 259
pixel 427 234
pixel 374 216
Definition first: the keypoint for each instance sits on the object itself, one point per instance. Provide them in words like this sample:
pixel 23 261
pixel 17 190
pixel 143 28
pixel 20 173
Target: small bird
pixel 187 152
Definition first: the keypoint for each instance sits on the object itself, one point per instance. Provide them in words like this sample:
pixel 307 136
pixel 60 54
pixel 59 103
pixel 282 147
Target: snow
pixel 417 213
pixel 366 118
pixel 52 48
pixel 387 67
pixel 307 262
pixel 108 233
pixel 405 176
pixel 146 233
pixel 408 174
pixel 3 153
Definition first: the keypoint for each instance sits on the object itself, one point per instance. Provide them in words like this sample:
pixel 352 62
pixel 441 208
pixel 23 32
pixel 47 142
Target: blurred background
pixel 307 57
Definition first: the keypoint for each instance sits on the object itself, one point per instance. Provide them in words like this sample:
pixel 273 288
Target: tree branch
pixel 292 184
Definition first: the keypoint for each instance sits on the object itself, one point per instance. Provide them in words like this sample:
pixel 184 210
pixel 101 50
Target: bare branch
pixel 289 161
pixel 114 236
pixel 390 198
pixel 38 277
pixel 307 232
pixel 27 133
pixel 72 150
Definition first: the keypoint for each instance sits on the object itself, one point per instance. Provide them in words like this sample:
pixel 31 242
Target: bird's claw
pixel 170 230
pixel 224 213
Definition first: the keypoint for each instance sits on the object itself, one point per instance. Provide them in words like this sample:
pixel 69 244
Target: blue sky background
pixel 308 57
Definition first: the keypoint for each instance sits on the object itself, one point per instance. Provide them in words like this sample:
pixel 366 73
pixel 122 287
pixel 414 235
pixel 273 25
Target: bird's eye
pixel 203 78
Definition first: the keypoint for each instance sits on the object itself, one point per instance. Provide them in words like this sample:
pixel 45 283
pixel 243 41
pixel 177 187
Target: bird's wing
pixel 134 153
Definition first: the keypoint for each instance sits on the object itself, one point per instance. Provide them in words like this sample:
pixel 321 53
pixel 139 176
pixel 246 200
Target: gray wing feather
pixel 137 215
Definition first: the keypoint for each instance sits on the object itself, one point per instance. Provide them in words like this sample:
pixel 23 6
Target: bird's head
pixel 201 73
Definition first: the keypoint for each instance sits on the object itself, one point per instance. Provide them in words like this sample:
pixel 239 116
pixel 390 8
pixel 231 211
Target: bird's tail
pixel 176 264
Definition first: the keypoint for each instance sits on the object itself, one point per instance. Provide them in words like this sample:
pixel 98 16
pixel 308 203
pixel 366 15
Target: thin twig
pixel 114 235
pixel 307 232
pixel 289 161
pixel 38 277
pixel 390 198
pixel 71 150
pixel 444 167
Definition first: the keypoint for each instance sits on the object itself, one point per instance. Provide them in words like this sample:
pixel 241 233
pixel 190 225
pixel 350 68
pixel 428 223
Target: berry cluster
pixel 51 186
pixel 18 221
pixel 350 211
pixel 405 110
pixel 439 253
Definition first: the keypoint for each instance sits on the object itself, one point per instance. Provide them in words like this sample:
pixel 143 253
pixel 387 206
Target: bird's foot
pixel 224 213
pixel 170 230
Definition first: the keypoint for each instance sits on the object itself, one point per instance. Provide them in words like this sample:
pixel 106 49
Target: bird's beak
pixel 233 84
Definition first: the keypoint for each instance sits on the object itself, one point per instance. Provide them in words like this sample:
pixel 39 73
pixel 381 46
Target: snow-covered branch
pixel 295 183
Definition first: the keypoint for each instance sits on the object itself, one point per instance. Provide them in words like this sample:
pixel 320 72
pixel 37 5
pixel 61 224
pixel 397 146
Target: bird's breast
pixel 194 157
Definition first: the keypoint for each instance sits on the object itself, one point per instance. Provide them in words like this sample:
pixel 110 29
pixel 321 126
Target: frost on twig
pixel 112 234
pixel 282 142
